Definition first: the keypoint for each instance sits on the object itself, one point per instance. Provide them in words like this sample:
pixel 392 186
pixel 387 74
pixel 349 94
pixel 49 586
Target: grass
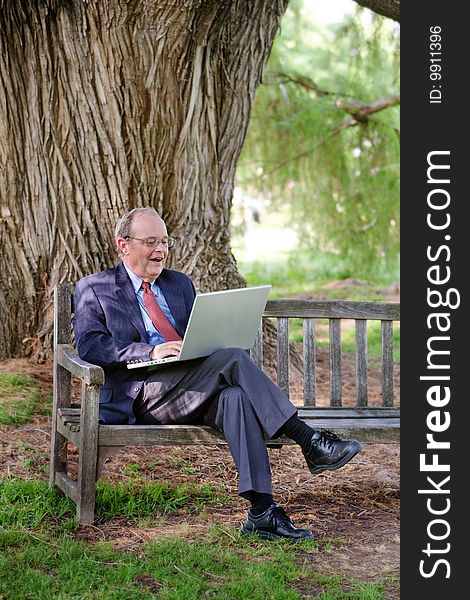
pixel 39 566
pixel 36 523
pixel 146 498
pixel 32 503
pixel 39 557
pixel 337 588
pixel 219 563
pixel 20 399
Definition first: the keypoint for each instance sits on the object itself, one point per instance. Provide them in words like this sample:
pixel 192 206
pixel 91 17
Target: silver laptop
pixel 225 319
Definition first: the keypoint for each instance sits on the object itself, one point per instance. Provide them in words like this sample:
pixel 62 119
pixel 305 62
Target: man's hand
pixel 166 349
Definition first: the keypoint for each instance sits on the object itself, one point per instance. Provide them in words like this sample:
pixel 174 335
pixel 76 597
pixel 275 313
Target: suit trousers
pixel 228 391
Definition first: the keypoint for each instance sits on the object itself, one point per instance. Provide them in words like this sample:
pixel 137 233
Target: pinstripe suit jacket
pixel 109 331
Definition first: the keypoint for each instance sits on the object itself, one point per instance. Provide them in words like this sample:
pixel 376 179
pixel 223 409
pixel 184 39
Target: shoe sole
pixel 266 535
pixel 262 534
pixel 356 447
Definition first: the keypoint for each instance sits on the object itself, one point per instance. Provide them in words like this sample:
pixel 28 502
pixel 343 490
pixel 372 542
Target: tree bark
pixel 107 105
pixel 386 8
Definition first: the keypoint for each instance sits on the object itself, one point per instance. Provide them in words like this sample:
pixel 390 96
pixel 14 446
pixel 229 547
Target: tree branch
pixel 302 81
pixel 386 8
pixel 359 112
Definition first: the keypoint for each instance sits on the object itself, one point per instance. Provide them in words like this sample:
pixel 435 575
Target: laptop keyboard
pixel 138 363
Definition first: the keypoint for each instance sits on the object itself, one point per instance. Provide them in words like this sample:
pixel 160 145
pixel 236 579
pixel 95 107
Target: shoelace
pixel 327 438
pixel 275 513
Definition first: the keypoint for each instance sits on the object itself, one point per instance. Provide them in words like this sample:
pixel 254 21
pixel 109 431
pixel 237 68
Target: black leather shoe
pixel 274 524
pixel 329 452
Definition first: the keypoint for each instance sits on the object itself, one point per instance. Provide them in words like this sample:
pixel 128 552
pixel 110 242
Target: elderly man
pixel 140 310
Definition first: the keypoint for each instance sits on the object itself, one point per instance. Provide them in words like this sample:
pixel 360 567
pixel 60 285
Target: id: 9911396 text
pixel 435 67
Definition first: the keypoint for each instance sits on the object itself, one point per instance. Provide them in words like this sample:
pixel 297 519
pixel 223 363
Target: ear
pixel 123 246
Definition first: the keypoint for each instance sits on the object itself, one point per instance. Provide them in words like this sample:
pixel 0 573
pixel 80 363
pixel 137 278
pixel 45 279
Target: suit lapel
pixel 126 295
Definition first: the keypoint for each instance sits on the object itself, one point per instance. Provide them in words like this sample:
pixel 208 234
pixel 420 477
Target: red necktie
pixel 158 317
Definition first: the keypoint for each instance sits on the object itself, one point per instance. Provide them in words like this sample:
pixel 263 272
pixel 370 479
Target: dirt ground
pixel 355 510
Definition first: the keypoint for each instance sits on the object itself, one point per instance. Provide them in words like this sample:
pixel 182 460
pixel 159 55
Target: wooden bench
pixel 79 426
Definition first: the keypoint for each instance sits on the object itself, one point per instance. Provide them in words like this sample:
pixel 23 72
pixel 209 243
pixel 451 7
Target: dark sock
pixel 300 432
pixel 259 501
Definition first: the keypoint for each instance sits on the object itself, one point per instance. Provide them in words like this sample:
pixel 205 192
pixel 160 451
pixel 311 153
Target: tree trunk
pixel 110 104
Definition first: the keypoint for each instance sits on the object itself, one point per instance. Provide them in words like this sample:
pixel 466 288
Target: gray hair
pixel 124 224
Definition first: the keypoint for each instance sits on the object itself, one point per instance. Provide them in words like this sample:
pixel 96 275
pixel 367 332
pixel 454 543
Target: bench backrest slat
pixel 283 354
pixel 336 398
pixel 62 335
pixel 309 348
pixel 62 315
pixel 387 363
pixel 256 352
pixel 361 362
pixel 329 309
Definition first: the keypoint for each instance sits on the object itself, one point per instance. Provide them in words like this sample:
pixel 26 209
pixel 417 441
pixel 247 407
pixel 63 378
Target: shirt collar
pixel 136 280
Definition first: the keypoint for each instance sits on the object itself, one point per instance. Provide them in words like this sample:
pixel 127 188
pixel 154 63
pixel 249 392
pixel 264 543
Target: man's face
pixel 146 262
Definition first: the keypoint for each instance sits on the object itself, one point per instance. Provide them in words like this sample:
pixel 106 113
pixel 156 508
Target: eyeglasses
pixel 153 242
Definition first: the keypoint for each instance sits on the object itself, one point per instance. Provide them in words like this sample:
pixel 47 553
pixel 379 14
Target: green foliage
pixel 20 399
pixel 342 183
pixel 301 275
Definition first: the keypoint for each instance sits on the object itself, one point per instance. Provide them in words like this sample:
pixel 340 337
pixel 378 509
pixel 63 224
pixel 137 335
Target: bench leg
pixel 88 458
pixel 61 398
pixel 58 459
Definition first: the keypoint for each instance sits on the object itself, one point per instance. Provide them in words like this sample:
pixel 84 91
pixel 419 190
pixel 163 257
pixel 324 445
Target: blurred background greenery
pixel 317 196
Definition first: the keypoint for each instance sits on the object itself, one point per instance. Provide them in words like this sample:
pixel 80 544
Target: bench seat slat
pixel 379 433
pixel 148 435
pixel 339 420
pixel 117 435
pixel 351 412
pixel 345 423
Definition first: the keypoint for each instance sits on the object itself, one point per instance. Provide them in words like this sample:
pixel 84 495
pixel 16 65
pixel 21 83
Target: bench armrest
pixel 67 357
